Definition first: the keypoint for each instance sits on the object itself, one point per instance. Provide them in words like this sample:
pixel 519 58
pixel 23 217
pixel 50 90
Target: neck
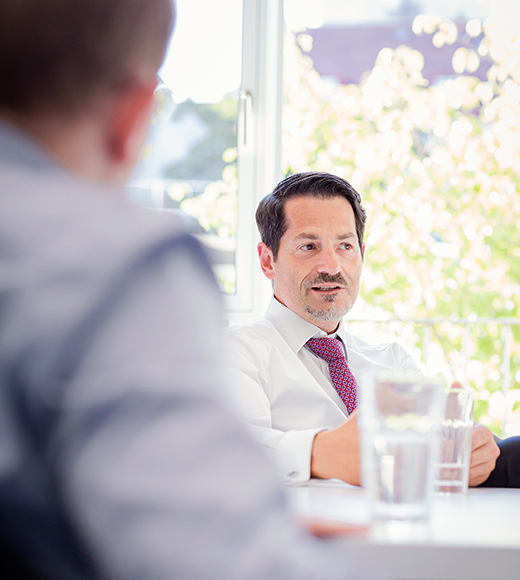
pixel 75 144
pixel 335 329
pixel 330 327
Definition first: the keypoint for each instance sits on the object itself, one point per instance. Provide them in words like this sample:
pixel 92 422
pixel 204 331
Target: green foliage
pixel 438 169
pixel 204 161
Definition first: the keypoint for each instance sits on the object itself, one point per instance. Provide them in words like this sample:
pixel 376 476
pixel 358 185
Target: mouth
pixel 326 289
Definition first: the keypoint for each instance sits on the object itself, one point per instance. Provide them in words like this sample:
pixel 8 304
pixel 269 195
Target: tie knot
pixel 329 349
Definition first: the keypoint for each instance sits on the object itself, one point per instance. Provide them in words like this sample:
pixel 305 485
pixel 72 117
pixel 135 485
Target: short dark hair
pixel 59 54
pixel 270 215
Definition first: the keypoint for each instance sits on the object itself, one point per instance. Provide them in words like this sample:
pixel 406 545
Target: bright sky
pixel 315 13
pixel 204 59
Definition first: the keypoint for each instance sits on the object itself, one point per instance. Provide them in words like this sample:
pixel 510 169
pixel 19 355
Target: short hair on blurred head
pixel 59 55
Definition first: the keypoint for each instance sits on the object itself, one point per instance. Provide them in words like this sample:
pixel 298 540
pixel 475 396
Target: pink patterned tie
pixel 331 350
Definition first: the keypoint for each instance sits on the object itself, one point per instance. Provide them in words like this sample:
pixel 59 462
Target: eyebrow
pixel 305 236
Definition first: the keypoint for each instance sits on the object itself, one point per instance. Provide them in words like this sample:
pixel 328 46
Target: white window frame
pixel 259 147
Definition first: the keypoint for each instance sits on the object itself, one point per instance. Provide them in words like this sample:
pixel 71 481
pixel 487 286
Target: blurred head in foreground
pixel 80 76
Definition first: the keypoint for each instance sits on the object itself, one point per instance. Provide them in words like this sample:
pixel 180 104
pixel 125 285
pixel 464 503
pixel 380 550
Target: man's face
pixel 317 271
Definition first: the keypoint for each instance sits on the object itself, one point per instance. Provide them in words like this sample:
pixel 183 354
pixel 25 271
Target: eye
pixel 346 246
pixel 307 247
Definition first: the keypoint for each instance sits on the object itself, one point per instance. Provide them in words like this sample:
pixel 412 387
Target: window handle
pixel 246 116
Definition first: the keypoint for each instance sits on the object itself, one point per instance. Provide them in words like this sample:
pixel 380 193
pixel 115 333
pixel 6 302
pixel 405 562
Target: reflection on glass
pixel 188 165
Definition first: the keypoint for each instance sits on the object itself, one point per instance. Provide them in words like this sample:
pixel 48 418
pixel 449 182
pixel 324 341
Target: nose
pixel 329 261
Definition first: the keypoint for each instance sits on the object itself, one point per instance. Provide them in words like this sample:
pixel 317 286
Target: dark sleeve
pixel 507 468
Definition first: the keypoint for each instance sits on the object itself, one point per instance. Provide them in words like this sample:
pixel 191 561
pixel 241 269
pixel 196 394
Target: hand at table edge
pixel 484 455
pixel 322 528
pixel 335 453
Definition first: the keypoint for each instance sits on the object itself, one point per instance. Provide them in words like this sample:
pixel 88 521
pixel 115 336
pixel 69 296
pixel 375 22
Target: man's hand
pixel 330 529
pixel 335 453
pixel 484 454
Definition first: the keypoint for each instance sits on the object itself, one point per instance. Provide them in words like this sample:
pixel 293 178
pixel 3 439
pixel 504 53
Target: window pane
pixel 416 103
pixel 189 162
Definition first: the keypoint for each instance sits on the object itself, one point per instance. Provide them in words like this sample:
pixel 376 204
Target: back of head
pixel 270 215
pixel 58 56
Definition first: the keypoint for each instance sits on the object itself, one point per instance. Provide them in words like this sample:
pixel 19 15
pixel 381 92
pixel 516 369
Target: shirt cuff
pixel 293 455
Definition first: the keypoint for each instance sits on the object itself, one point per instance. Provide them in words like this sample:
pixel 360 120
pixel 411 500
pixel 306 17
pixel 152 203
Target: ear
pixel 129 121
pixel 363 251
pixel 266 260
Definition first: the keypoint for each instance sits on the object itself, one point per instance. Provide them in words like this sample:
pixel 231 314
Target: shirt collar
pixel 294 329
pixel 18 147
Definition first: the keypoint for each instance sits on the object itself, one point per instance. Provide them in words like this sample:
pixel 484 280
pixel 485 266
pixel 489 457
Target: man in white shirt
pixel 312 249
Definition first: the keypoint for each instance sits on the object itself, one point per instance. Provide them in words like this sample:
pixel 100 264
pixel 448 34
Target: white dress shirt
pixel 284 389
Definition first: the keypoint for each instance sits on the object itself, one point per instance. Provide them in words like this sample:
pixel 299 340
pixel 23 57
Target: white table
pixel 471 537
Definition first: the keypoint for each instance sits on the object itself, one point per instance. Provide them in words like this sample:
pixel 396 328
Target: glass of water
pixel 399 426
pixel 456 427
